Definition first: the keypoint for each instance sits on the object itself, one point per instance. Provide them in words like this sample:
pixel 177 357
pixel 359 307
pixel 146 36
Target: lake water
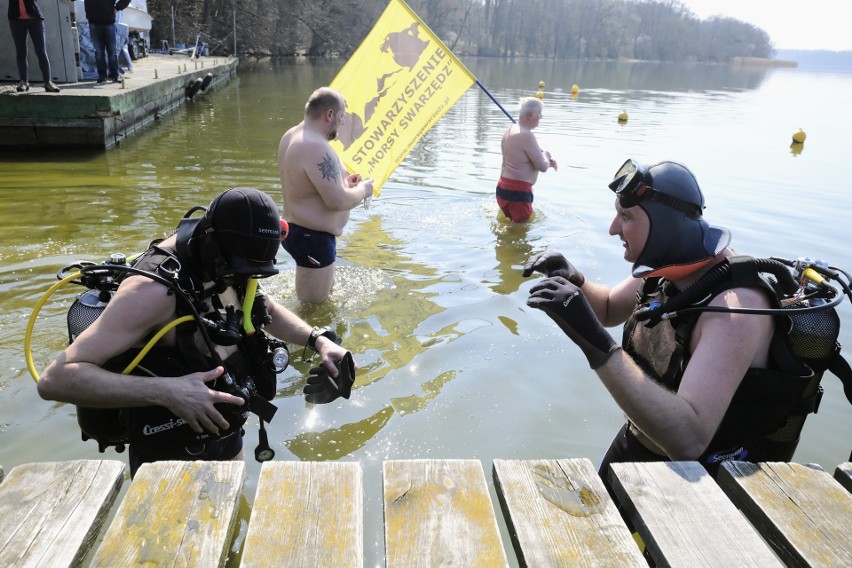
pixel 430 296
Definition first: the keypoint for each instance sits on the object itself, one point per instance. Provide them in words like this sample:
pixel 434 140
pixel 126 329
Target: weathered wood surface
pixel 684 518
pixel 307 514
pixel 175 514
pixel 560 514
pixel 51 512
pixel 804 514
pixel 439 513
pixel 843 474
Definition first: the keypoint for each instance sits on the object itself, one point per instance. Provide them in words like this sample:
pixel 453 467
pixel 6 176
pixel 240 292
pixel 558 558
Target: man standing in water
pixel 318 193
pixel 522 160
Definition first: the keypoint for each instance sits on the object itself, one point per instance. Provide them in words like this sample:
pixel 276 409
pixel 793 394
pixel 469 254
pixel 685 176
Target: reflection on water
pixel 429 295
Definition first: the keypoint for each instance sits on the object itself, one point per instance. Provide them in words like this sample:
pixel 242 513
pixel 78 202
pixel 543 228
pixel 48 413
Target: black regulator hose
pixel 699 291
pixel 170 284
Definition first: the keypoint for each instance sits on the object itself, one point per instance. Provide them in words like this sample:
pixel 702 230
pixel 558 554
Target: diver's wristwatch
pixel 318 332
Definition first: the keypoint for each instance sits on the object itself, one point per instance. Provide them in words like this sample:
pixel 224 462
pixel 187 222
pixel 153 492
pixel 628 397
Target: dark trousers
pixel 106 58
pixel 34 27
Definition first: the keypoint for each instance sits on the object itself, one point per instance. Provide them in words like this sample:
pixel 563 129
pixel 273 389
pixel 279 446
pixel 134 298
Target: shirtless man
pixel 318 193
pixel 522 160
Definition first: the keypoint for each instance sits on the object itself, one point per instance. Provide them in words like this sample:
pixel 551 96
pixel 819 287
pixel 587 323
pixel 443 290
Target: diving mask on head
pixel 679 240
pixel 632 184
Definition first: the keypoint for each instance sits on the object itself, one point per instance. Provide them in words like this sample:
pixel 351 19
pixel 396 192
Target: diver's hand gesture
pixel 566 304
pixel 189 397
pixel 552 263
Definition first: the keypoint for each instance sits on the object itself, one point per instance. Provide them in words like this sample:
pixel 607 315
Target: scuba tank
pixel 104 425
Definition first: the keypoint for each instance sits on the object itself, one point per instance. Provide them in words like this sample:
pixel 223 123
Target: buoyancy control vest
pixel 250 370
pixel 766 415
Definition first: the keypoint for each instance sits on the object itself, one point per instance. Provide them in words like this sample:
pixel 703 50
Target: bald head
pixel 323 99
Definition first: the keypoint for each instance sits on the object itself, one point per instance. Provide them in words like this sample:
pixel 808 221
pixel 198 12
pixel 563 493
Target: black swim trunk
pixel 221 449
pixel 310 248
pixel 625 447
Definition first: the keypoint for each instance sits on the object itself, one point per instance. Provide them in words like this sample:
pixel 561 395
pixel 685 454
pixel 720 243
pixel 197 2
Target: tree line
pixel 657 30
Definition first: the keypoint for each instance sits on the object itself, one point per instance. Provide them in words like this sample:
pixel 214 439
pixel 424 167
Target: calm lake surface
pixel 430 298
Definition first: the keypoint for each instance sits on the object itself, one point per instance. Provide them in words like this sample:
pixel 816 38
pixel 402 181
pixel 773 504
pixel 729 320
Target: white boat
pixel 136 17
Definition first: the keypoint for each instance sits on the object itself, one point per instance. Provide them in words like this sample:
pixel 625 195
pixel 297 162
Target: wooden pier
pixel 89 115
pixel 436 513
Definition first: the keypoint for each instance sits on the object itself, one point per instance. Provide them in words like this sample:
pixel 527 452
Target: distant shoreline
pixel 763 62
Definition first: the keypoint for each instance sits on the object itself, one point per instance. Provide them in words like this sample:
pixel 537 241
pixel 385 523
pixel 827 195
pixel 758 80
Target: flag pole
pixel 490 96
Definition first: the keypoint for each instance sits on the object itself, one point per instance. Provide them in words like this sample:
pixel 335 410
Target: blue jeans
pixel 106 58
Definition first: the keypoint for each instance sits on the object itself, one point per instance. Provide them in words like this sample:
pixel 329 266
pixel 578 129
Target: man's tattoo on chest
pixel 329 168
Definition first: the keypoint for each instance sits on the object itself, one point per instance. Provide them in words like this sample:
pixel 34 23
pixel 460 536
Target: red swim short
pixel 515 199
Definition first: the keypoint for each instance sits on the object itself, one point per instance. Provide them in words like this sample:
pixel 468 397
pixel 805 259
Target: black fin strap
pixel 841 369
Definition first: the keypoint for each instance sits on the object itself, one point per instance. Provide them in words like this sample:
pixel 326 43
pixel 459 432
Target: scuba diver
pixel 190 392
pixel 721 354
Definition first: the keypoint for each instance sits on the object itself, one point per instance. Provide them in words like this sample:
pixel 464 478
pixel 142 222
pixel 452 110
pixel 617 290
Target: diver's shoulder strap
pixel 840 368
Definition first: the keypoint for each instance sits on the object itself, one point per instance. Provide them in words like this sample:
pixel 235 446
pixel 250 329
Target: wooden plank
pixel 560 514
pixel 439 513
pixel 51 512
pixel 307 514
pixel 803 513
pixel 175 514
pixel 843 474
pixel 684 518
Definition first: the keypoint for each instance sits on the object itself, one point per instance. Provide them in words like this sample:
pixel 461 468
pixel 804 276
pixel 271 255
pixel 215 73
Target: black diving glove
pixel 322 388
pixel 551 263
pixel 565 304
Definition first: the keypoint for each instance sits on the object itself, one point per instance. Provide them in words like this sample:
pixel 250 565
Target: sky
pixel 791 24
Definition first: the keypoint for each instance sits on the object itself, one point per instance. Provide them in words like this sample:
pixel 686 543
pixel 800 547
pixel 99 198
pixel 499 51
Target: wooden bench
pixel 307 514
pixel 802 512
pixel 560 514
pixel 684 518
pixel 439 513
pixel 175 514
pixel 51 512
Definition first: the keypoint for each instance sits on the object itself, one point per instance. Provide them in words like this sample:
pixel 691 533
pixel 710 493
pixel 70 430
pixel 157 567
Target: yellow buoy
pixel 799 137
pixel 541 84
pixel 796 148
pixel 623 116
pixel 539 95
pixel 575 89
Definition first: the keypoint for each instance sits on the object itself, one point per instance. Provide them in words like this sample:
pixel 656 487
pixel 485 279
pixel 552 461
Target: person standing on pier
pixel 698 379
pixel 318 193
pixel 101 17
pixel 523 159
pixel 25 18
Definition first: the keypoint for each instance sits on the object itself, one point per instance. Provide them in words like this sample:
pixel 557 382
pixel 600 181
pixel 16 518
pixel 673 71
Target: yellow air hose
pixel 248 305
pixel 148 346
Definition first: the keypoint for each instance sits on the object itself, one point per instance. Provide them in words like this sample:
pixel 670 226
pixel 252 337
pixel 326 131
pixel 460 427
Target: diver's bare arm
pixel 76 375
pixel 289 327
pixel 612 305
pixel 682 423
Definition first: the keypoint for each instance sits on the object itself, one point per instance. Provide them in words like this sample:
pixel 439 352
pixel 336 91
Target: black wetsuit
pixel 764 418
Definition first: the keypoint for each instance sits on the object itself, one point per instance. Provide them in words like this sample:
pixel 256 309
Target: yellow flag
pixel 398 83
